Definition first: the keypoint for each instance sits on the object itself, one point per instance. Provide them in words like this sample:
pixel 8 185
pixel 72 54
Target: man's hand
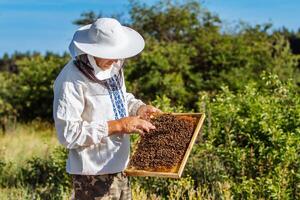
pixel 129 125
pixel 147 111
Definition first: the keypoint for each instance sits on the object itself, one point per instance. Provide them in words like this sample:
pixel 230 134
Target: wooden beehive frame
pixel 180 167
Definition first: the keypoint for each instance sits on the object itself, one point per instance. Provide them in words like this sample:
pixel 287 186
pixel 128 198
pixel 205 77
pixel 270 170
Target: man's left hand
pixel 147 111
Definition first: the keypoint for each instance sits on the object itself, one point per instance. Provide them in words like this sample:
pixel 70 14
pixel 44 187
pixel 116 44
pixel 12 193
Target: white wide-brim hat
pixel 106 38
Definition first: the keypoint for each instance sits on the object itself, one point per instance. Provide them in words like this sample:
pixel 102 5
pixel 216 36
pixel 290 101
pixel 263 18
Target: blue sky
pixel 41 25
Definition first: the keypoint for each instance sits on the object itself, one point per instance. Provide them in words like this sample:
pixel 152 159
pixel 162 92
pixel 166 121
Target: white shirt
pixel 81 109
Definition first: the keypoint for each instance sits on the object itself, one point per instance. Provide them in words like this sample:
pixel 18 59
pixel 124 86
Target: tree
pixel 30 91
pixel 87 18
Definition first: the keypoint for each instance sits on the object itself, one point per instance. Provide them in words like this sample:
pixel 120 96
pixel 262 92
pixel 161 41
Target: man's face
pixel 103 63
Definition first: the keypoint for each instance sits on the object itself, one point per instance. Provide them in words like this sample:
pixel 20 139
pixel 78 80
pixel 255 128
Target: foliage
pixel 293 37
pixel 249 149
pixel 7 112
pixel 255 136
pixel 236 59
pixel 30 90
pixel 164 69
pixel 164 104
pixel 245 80
pixel 48 176
pixel 16 193
pixel 32 166
pixel 186 52
pixel 172 21
pixel 87 18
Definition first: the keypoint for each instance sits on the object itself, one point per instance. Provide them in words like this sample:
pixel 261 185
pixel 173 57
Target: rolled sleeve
pixel 72 130
pixel 133 104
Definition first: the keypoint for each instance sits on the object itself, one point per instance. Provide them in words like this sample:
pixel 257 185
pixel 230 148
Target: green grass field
pixel 26 141
pixel 18 145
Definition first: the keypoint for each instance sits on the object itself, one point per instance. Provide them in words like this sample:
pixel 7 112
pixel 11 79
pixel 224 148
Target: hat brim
pixel 134 45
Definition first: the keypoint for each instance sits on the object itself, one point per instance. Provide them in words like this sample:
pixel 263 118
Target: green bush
pixel 255 136
pixel 8 113
pixel 30 89
pixel 9 174
pixel 47 176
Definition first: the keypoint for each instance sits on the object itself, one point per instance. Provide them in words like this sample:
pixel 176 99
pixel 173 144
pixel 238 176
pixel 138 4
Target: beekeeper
pixel 93 112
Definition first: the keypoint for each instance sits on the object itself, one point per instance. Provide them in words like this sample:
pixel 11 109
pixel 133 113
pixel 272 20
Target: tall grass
pixel 17 146
pixel 27 140
pixel 22 193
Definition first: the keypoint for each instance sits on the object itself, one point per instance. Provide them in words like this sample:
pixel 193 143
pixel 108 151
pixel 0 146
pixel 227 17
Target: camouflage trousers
pixel 95 187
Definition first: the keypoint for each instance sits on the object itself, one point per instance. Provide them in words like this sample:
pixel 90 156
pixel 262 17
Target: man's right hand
pixel 129 125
